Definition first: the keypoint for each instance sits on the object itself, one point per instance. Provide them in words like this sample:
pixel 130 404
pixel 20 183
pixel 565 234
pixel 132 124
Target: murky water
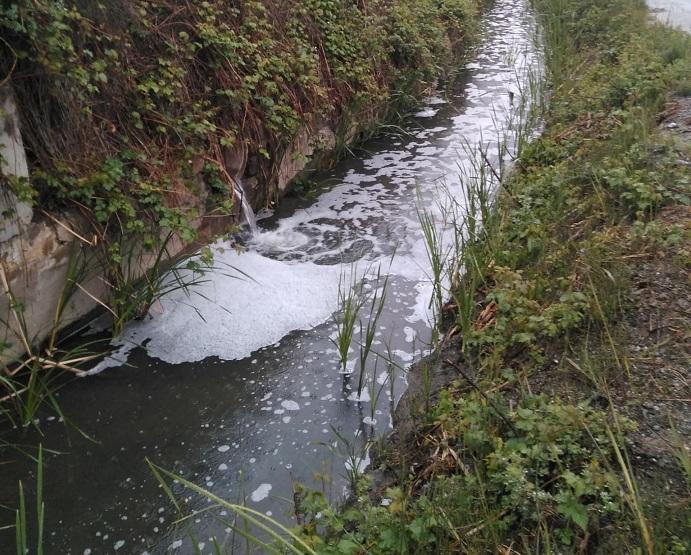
pixel 239 387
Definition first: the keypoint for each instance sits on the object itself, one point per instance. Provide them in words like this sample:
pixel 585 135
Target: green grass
pixel 258 529
pixel 29 382
pixel 22 531
pixel 538 275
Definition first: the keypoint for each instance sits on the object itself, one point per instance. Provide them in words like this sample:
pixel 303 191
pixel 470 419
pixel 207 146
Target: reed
pixel 350 302
pixel 437 256
pixel 368 332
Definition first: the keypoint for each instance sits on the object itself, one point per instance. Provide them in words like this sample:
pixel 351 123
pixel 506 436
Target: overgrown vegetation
pixel 125 104
pixel 529 449
pixel 133 114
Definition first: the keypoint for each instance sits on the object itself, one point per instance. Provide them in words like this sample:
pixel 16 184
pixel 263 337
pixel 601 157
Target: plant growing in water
pixel 350 301
pixel 377 302
pixel 21 518
pixel 258 529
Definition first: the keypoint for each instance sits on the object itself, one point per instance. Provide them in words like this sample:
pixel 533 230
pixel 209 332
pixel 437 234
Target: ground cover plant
pixel 560 425
pixel 123 103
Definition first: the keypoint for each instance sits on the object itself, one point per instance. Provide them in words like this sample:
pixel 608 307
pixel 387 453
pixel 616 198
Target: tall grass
pixel 134 292
pixel 631 492
pixel 350 302
pixel 437 256
pixel 377 301
pixel 29 382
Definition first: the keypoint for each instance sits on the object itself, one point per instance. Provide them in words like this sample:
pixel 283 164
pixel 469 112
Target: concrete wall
pixel 14 215
pixel 33 254
pixel 35 250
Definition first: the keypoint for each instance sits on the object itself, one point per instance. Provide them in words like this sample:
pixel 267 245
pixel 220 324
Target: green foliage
pixel 22 531
pixel 523 317
pixel 598 163
pixel 119 98
pixel 544 464
pixel 524 472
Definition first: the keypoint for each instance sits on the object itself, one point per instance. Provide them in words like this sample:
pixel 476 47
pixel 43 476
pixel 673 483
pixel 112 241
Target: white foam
pixel 261 493
pixel 409 334
pixel 426 113
pixel 117 358
pixel 364 396
pixel 360 464
pixel 231 315
pixel 296 266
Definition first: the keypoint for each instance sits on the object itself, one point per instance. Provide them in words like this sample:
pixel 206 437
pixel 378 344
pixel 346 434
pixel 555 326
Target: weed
pixel 350 302
pixel 23 544
pixel 377 302
pixel 539 281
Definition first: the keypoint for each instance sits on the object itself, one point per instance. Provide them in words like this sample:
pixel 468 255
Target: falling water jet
pixel 247 212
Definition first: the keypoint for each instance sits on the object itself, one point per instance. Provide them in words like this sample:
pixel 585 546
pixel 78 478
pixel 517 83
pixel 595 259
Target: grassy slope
pixel 564 428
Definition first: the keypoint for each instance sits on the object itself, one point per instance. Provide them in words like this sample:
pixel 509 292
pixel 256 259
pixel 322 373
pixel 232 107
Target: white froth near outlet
pixel 361 220
pixel 231 315
pixel 294 269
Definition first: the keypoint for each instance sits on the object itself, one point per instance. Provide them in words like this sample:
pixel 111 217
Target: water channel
pixel 238 387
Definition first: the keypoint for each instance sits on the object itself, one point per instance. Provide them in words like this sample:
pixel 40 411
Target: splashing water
pixel 247 212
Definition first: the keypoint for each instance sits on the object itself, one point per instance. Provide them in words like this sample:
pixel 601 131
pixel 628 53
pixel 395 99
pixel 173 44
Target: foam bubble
pixel 261 493
pixel 254 302
pixel 290 405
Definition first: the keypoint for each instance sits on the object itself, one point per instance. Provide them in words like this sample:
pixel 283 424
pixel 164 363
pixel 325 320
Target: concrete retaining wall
pixel 35 248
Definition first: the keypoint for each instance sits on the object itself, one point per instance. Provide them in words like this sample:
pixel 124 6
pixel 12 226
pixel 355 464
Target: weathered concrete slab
pixel 13 214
